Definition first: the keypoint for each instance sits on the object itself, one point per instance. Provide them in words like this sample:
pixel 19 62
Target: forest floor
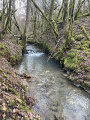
pixel 14 103
pixel 76 59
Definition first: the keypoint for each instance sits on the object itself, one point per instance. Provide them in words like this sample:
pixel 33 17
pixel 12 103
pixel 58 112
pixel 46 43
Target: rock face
pixel 76 59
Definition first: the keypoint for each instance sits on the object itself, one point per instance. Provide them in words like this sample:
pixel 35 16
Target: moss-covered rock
pixel 70 66
pixel 71 54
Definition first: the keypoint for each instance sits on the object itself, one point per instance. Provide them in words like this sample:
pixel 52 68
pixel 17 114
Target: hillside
pixel 14 103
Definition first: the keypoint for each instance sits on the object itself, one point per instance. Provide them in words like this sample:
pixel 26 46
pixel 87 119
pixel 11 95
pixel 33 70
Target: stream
pixel 56 98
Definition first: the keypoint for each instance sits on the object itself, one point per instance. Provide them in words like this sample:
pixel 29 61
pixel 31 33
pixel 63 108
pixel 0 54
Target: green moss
pixel 71 60
pixel 85 45
pixel 79 37
pixel 10 118
pixel 87 69
pixel 71 54
pixel 72 39
pixel 55 26
pixel 12 102
pixel 3 49
pixel 70 66
pixel 1 70
pixel 26 118
pixel 1 46
pixel 81 58
pixel 42 45
pixel 74 50
pixel 75 78
pixel 79 43
pixel 14 91
pixel 85 33
pixel 78 71
pixel 12 59
pixel 56 54
pixel 77 47
pixel 21 46
pixel 81 67
pixel 8 72
pixel 71 63
pixel 86 77
pixel 85 42
pixel 23 102
pixel 5 52
pixel 4 75
pixel 87 54
pixel 23 87
pixel 74 60
pixel 85 83
pixel 82 41
pixel 84 48
pixel 24 107
pixel 27 108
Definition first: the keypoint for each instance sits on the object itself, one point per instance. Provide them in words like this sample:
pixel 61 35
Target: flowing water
pixel 56 98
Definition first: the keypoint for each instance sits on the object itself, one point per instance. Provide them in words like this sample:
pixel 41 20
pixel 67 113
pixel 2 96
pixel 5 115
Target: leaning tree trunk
pixel 79 8
pixel 50 23
pixel 59 11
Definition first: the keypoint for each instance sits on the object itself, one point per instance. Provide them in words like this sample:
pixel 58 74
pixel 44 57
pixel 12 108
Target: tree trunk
pixel 65 17
pixel 65 12
pixel 27 23
pixel 51 9
pixel 72 7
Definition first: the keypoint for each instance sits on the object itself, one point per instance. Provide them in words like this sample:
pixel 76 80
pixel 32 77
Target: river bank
pixel 14 103
pixel 75 60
